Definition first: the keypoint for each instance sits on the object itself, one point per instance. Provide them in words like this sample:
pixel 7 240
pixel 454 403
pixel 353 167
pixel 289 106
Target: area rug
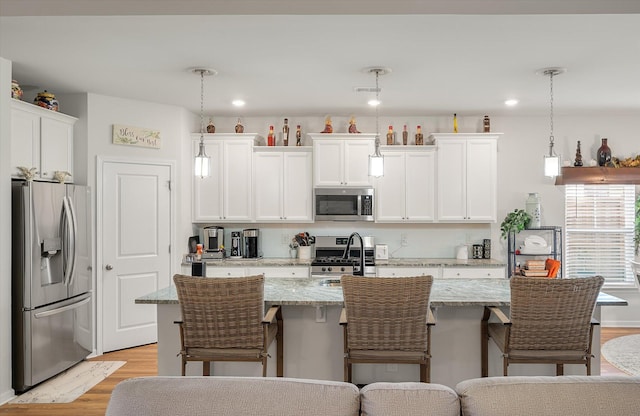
pixel 624 353
pixel 70 384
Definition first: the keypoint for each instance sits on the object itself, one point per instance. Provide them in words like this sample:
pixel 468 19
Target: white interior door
pixel 136 258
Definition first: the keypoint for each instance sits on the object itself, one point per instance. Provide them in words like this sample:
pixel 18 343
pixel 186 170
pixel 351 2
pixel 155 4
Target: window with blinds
pixel 599 231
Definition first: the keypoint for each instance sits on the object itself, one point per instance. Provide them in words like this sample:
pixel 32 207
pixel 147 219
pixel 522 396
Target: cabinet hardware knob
pixel 108 267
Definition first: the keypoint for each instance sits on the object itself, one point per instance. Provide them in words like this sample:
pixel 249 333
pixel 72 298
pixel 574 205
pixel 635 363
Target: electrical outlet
pixel 321 314
pixel 392 368
pixel 403 240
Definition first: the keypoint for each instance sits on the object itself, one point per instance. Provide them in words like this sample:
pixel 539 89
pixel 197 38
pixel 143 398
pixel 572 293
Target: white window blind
pixel 599 231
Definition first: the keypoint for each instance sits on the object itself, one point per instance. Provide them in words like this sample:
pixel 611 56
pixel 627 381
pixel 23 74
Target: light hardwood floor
pixel 141 361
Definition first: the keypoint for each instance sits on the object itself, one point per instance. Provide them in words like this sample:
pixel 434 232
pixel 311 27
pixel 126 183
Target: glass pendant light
pixel 551 161
pixel 376 160
pixel 202 163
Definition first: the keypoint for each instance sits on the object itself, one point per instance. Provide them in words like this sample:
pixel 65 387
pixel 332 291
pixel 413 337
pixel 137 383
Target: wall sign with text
pixel 136 136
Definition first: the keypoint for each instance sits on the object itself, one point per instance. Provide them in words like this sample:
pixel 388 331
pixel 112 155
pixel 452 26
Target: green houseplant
pixel 515 221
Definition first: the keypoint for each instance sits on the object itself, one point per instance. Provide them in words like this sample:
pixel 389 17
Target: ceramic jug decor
pixel 47 100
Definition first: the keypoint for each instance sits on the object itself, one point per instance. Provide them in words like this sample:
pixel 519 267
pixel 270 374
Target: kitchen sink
pixel 330 282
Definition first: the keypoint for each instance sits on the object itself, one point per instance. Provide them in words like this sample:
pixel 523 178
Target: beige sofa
pixel 493 396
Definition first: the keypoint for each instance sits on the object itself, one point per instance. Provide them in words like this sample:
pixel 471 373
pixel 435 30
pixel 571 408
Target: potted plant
pixel 515 221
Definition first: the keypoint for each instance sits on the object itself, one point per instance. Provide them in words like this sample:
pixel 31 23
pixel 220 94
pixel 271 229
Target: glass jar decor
pixel 534 210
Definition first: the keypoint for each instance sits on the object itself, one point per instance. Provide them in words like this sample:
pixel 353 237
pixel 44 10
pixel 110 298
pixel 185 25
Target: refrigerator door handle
pixel 74 238
pixel 67 237
pixel 62 309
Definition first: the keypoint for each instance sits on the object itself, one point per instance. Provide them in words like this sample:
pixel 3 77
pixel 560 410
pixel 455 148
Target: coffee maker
pixel 236 244
pixel 213 242
pixel 251 249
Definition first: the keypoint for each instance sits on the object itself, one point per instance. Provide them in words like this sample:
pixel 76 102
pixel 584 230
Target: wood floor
pixel 141 361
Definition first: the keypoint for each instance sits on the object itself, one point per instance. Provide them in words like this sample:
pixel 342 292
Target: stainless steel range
pixel 329 259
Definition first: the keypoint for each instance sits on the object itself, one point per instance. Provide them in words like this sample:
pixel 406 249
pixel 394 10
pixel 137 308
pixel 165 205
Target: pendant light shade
pixel 376 160
pixel 551 161
pixel 202 162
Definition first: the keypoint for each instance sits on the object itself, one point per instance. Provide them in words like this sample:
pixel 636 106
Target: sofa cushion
pixel 408 399
pixel 550 396
pixel 230 396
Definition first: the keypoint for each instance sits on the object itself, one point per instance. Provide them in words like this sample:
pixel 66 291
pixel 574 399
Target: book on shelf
pixel 535 273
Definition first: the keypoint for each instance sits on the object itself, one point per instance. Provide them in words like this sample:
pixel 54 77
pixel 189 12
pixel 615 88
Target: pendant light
pixel 376 160
pixel 202 163
pixel 551 161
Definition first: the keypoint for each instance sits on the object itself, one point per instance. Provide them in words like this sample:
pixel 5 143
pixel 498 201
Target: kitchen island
pixel 313 346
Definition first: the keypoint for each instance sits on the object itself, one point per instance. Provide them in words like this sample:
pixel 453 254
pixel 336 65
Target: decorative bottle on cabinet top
pixel 285 132
pixel 604 153
pixel 455 123
pixel 486 124
pixel 298 135
pixel 419 136
pixel 271 138
pixel 390 136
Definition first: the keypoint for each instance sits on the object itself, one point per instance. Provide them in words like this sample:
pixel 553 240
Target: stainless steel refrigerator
pixel 52 322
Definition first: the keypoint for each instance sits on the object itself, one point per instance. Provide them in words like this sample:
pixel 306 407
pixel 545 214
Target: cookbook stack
pixel 535 268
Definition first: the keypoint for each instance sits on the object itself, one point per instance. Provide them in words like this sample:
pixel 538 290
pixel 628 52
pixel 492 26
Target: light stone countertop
pixel 445 292
pixel 394 262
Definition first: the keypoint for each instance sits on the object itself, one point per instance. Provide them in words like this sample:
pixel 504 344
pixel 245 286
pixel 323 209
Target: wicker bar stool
pixel 387 320
pixel 551 323
pixel 222 320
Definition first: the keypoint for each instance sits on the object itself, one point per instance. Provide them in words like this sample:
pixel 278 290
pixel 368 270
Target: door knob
pixel 108 267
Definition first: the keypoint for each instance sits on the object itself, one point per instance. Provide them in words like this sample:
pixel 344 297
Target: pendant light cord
pixel 377 143
pixel 201 106
pixel 551 139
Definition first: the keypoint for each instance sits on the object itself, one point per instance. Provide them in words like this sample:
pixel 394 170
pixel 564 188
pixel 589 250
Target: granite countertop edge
pixel 394 262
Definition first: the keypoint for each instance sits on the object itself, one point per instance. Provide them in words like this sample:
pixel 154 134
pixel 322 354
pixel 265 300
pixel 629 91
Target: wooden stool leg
pixel 423 373
pixel 559 369
pixel 280 344
pixel 484 344
pixel 206 368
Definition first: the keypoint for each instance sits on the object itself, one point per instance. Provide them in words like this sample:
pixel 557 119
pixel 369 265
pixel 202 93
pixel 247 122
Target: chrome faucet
pixel 347 253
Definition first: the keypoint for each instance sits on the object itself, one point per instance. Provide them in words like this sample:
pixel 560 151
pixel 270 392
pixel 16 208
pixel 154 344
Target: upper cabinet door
pixel 390 189
pixel 328 163
pixel 25 140
pixel 237 178
pixel 482 180
pixel 268 185
pixel 297 184
pixel 452 185
pixel 356 159
pixel 56 148
pixel 420 186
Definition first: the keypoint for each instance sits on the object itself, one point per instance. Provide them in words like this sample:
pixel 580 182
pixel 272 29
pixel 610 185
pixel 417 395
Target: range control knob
pixel 329 268
pixel 342 269
pixel 324 269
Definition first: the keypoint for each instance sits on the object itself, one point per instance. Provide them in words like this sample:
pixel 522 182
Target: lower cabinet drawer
pixel 407 271
pixel 290 271
pixel 473 272
pixel 224 271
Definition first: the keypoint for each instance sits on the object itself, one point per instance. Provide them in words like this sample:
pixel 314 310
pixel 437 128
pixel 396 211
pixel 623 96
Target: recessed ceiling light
pixel 511 102
pixel 238 103
pixel 374 102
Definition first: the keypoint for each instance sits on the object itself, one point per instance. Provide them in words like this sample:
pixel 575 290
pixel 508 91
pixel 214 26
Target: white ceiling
pixel 303 57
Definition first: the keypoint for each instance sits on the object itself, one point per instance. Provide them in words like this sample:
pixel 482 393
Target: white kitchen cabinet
pixel 407 271
pixel 341 159
pixel 226 195
pixel 282 184
pixel 474 272
pixel 406 192
pixel 42 139
pixel 467 177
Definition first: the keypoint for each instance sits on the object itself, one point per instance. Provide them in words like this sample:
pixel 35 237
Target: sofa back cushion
pixel 231 396
pixel 550 396
pixel 408 399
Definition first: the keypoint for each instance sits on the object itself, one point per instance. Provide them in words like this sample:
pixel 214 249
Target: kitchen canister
pixel 304 252
pixel 534 210
pixel 477 251
pixel 46 100
pixel 486 248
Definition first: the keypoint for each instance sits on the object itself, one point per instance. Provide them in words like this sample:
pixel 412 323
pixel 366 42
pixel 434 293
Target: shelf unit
pixel 553 237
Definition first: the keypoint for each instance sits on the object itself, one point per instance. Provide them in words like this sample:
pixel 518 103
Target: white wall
pixel 6 392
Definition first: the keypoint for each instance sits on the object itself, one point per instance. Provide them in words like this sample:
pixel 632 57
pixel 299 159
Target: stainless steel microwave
pixel 343 204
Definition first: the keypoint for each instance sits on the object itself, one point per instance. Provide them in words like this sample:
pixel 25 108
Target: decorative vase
pixel 16 91
pixel 47 100
pixel 604 153
pixel 534 210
